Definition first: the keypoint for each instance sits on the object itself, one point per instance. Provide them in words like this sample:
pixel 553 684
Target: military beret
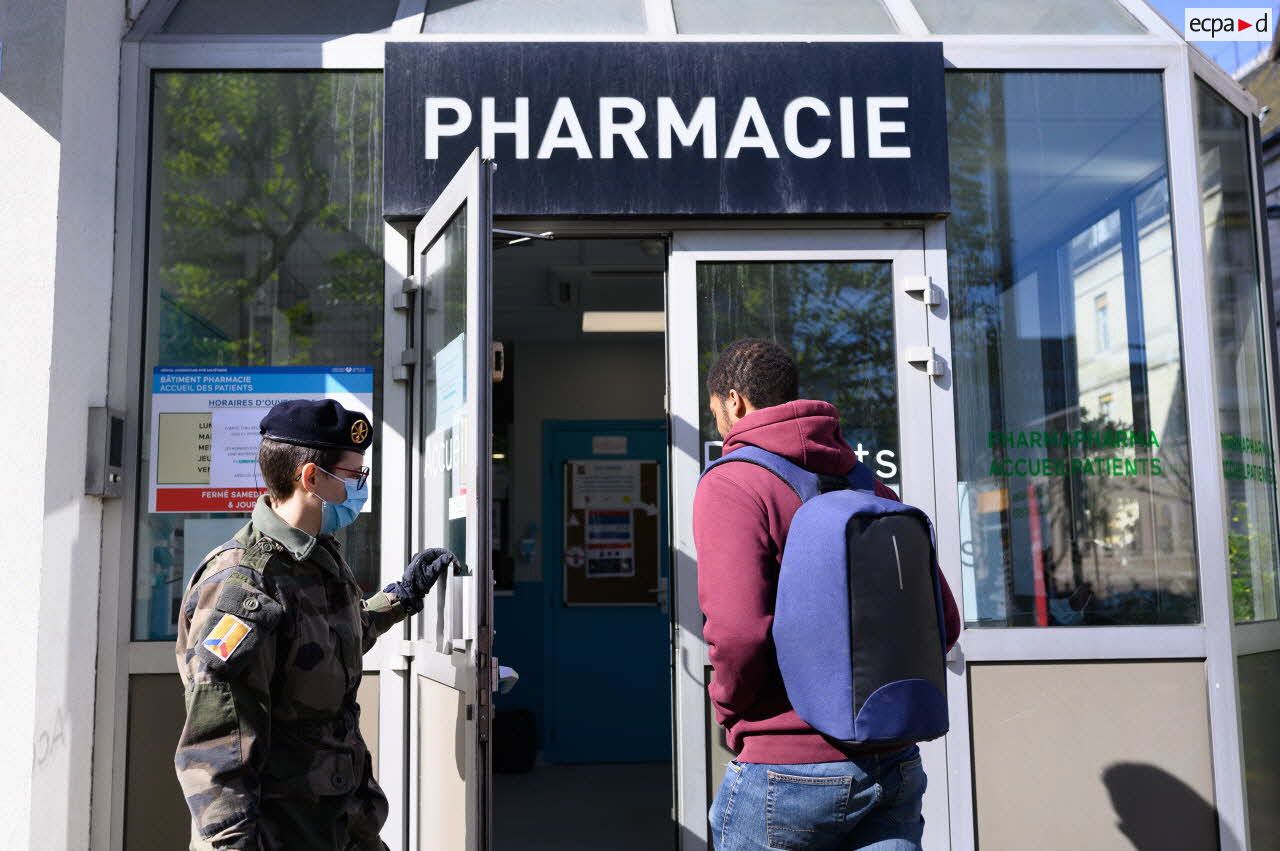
pixel 322 425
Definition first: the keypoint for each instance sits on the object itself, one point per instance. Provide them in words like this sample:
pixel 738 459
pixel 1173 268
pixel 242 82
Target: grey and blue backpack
pixel 859 625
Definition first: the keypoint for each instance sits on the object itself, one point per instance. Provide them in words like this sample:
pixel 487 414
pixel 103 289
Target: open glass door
pixel 855 308
pixel 450 672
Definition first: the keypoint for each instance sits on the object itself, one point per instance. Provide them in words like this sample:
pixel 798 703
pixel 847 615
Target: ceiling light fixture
pixel 623 321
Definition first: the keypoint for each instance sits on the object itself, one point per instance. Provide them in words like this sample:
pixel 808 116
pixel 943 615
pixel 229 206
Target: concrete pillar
pixel 59 90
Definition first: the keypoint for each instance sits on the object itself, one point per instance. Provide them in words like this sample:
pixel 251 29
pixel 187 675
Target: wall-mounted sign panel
pixel 701 129
pixel 204 428
pixel 612 527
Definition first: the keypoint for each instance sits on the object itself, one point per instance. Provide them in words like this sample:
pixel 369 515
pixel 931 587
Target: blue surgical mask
pixel 340 514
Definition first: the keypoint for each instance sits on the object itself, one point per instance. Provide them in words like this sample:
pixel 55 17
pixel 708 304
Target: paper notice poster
pixel 606 484
pixel 451 381
pixel 610 544
pixel 204 428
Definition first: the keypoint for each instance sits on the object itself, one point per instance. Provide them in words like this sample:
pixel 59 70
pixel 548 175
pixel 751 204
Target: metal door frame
pixel 451 650
pixel 918 255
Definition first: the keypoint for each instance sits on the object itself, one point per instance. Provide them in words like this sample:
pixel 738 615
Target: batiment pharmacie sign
pixel 205 434
pixel 671 128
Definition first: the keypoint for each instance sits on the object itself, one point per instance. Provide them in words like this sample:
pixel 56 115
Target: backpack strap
pixel 861 478
pixel 805 484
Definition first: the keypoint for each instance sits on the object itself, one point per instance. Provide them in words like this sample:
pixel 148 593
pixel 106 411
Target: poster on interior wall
pixel 610 544
pixel 606 484
pixel 204 428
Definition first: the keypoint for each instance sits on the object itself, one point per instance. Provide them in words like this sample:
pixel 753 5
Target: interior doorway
pixel 582 743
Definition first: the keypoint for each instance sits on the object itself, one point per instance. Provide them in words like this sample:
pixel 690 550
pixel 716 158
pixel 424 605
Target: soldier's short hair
pixel 280 462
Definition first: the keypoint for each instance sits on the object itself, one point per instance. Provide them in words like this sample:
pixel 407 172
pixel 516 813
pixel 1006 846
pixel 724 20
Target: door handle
pixel 499 363
pixel 504 678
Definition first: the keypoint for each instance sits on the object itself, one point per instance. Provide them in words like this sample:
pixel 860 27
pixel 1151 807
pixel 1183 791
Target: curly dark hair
pixel 280 462
pixel 760 370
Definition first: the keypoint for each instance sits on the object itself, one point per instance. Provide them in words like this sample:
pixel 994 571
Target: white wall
pixel 59 88
pixel 616 380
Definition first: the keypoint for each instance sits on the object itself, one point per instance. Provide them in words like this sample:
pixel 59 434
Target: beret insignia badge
pixel 359 432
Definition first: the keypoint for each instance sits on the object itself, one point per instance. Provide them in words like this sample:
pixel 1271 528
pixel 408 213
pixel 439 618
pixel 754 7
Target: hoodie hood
pixel 805 432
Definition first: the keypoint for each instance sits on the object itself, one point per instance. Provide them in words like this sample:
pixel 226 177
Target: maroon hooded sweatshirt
pixel 741 514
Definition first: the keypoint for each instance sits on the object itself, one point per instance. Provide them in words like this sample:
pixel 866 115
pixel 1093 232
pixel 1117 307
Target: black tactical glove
pixel 422 572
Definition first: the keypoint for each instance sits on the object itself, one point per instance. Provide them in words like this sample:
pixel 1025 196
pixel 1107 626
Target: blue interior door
pixel 608 649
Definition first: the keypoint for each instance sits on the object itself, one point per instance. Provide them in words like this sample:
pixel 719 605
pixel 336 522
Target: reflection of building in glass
pixel 1072 442
pixel 1135 513
pixel 1244 405
pixel 1102 329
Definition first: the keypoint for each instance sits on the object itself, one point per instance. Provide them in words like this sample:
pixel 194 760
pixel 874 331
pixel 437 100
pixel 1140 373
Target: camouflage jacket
pixel 270 639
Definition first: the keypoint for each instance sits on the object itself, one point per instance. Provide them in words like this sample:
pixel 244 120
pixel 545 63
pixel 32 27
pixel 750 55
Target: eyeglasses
pixel 362 474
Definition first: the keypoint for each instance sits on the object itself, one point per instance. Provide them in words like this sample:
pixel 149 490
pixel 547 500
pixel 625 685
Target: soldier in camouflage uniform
pixel 270 639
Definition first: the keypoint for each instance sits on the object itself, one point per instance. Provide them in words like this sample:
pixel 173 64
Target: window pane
pixel 444 393
pixel 1240 361
pixel 1075 486
pixel 280 17
pixel 1259 693
pixel 551 16
pixel 265 249
pixel 836 318
pixel 800 16
pixel 1038 17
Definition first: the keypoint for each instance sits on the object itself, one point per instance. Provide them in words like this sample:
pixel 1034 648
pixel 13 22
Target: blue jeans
pixel 869 803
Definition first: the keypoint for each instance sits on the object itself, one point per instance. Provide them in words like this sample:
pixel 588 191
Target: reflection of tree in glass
pixel 446 279
pixel 979 260
pixel 1249 542
pixel 836 318
pixel 266 238
pixel 268 202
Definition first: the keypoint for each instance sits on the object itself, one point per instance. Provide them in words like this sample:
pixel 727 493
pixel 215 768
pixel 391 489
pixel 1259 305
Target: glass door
pixel 854 307
pixel 450 669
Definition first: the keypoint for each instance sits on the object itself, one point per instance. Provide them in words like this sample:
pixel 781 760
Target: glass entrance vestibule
pixel 1066 362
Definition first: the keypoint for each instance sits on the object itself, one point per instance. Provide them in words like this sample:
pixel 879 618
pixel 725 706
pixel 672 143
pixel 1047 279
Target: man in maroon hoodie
pixel 790 787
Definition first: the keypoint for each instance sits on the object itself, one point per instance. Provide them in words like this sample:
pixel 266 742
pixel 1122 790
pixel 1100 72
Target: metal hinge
pixel 924 287
pixel 402 371
pixel 412 284
pixel 925 358
pixel 483 699
pixel 406 648
pixel 400 302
